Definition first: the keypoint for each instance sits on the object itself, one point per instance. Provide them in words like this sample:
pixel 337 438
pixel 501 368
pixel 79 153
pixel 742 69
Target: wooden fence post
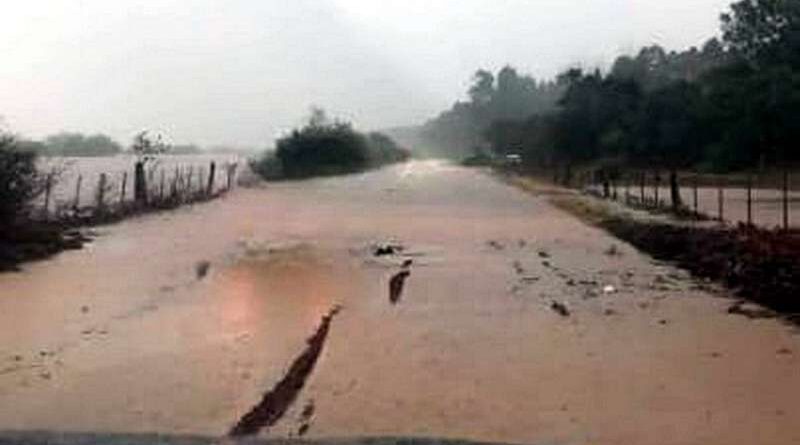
pixel 161 186
pixel 189 180
pixel 627 189
pixel 212 171
pixel 642 180
pixel 122 190
pixel 139 184
pixel 77 202
pixel 749 199
pixel 695 186
pixel 201 181
pixel 786 199
pixel 656 187
pixel 720 202
pixel 101 192
pixel 614 188
pixel 48 188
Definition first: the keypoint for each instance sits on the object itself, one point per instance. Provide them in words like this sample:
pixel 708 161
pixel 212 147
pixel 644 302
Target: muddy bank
pixel 33 240
pixel 758 265
pixel 36 241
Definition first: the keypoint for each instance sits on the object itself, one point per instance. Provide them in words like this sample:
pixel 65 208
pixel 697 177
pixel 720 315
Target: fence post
pixel 124 187
pixel 212 170
pixel 694 195
pixel 749 200
pixel 201 179
pixel 720 202
pixel 140 184
pixel 786 199
pixel 627 189
pixel 161 186
pixel 614 187
pixel 77 193
pixel 174 186
pixel 656 187
pixel 642 180
pixel 48 187
pixel 101 191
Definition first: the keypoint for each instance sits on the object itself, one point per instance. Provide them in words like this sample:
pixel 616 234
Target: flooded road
pixel 468 309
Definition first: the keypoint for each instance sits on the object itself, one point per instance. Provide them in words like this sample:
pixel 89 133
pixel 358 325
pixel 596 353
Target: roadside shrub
pixel 318 150
pixel 20 181
pixel 321 148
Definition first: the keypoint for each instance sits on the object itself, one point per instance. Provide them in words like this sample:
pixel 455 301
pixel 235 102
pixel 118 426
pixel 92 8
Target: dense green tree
pixel 20 180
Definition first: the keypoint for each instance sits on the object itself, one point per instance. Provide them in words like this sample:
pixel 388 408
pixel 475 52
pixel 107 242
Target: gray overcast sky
pixel 244 71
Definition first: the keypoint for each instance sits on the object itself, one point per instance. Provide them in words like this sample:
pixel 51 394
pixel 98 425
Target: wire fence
pixel 767 201
pixel 96 193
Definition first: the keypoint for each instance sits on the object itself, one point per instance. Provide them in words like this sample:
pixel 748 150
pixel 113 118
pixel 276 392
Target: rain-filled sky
pixel 242 72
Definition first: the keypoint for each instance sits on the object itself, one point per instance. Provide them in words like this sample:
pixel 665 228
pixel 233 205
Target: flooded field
pixel 278 312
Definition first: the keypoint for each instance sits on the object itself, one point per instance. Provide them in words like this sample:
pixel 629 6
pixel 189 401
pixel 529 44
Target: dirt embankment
pixel 35 241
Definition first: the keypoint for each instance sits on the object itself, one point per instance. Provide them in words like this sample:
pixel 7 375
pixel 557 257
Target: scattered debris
pixel 495 245
pixel 609 312
pixel 387 249
pixel 84 309
pixel 303 429
pixel 201 269
pixel 589 294
pixel 308 410
pixel 560 309
pixel 609 290
pixel 543 254
pixel 750 311
pixel 518 267
pixel 663 322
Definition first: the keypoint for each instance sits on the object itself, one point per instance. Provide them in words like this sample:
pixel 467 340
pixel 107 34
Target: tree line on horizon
pixel 76 144
pixel 729 105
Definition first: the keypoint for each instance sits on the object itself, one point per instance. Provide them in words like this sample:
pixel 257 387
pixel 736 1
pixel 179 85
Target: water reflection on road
pixel 286 287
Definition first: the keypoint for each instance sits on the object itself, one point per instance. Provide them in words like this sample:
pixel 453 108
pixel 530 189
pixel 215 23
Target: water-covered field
pixel 76 179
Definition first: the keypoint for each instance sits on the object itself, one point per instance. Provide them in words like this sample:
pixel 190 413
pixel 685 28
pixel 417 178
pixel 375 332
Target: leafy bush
pixel 322 149
pixel 20 181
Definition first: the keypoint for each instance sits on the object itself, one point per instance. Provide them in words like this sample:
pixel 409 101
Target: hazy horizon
pixel 242 72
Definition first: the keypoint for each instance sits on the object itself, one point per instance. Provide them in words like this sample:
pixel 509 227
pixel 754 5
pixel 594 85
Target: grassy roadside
pixel 758 265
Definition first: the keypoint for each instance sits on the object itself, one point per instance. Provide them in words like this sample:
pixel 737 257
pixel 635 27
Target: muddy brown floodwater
pixel 126 336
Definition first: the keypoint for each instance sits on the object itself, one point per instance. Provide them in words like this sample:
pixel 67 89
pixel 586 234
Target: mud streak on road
pixel 277 401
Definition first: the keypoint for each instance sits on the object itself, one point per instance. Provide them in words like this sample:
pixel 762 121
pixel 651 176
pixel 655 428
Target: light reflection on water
pixel 288 289
pixel 424 168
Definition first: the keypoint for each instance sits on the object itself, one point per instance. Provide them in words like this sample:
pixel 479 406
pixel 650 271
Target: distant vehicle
pixel 513 159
